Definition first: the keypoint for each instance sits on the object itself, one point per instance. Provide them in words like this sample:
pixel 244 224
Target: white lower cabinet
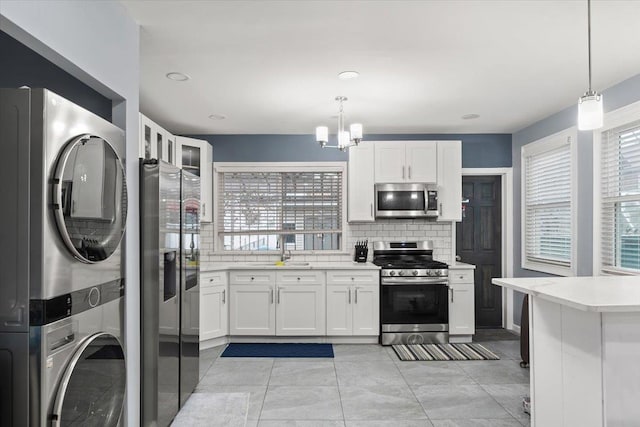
pixel 300 310
pixel 283 303
pixel 252 310
pixel 213 312
pixel 353 303
pixel 461 309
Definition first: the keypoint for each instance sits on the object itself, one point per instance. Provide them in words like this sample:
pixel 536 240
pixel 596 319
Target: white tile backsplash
pixel 385 230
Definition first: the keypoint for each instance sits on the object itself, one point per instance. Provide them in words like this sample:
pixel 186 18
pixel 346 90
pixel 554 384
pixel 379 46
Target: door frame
pixel 506 177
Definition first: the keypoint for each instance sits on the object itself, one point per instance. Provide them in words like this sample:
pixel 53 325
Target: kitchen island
pixel 584 349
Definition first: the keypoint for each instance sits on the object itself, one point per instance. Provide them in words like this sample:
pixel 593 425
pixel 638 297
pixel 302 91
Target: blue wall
pixel 478 150
pixel 624 93
pixel 22 66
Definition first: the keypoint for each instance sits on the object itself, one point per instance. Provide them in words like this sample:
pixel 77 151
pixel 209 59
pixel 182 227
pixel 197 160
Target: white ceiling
pixel 271 66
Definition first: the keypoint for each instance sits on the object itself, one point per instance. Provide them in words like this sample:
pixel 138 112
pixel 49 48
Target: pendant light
pixel 346 138
pixel 590 112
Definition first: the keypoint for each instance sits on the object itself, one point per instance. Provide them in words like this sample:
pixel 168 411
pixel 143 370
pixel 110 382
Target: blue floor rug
pixel 277 350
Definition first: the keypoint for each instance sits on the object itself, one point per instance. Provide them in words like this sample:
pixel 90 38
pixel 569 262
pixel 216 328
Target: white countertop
pixel 336 265
pixel 461 266
pixel 601 293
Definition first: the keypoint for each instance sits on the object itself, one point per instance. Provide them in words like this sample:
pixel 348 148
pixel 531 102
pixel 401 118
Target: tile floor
pixel 363 386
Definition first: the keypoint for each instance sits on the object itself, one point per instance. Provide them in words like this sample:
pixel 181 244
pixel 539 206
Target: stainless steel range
pixel 414 306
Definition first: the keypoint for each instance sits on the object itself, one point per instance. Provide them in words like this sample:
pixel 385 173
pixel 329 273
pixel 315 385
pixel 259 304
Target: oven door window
pixel 415 304
pixel 401 200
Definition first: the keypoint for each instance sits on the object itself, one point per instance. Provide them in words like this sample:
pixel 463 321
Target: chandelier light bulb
pixel 590 112
pixel 356 131
pixel 322 134
pixel 343 138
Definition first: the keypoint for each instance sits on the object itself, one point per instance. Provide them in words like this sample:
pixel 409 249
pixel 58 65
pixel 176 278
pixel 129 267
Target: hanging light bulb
pixel 590 111
pixel 322 135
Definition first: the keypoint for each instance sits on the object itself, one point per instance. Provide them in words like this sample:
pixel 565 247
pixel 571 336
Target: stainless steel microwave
pixel 406 200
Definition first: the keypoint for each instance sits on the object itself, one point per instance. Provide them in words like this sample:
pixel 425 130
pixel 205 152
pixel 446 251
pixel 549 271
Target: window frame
pixel 223 167
pixel 613 119
pixel 550 143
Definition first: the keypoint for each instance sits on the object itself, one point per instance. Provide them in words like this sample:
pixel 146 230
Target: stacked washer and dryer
pixel 62 219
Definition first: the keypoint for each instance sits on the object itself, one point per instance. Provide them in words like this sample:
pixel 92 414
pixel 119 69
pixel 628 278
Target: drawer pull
pixel 353 278
pixel 298 278
pixel 252 278
pixel 461 277
pixel 211 280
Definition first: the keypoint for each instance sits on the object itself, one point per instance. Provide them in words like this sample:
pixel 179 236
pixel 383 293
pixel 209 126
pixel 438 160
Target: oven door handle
pixel 388 281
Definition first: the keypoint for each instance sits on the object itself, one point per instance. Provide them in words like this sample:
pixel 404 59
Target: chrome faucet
pixel 283 256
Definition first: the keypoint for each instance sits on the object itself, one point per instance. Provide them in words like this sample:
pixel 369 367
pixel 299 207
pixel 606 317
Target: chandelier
pixel 346 139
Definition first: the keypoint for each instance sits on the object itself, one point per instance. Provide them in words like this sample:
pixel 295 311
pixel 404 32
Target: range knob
pixel 392 273
pixel 401 272
pixel 415 272
pixel 430 273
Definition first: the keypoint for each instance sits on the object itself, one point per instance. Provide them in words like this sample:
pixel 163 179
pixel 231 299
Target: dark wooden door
pixel 479 242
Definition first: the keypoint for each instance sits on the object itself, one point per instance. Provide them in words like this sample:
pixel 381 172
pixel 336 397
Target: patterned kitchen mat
pixel 435 352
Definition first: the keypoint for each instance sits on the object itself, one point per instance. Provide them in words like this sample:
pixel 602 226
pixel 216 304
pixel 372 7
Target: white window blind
pixel 547 205
pixel 620 180
pixel 261 209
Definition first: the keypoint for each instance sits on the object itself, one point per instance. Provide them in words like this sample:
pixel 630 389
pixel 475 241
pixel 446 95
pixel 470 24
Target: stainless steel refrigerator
pixel 170 245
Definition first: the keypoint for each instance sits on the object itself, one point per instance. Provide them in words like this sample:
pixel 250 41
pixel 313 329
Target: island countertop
pixel 589 293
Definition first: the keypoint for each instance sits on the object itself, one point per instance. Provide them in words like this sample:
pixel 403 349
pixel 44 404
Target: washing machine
pixel 62 221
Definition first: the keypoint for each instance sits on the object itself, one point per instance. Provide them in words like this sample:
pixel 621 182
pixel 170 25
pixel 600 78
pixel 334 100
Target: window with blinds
pixel 261 210
pixel 547 205
pixel 620 200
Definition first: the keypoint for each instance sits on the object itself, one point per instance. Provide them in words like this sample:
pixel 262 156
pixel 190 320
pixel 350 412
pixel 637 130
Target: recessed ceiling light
pixel 178 77
pixel 470 116
pixel 346 75
pixel 217 117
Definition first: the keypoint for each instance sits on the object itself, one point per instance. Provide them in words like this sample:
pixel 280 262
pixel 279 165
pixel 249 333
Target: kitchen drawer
pixel 353 277
pixel 242 277
pixel 461 276
pixel 213 278
pixel 302 277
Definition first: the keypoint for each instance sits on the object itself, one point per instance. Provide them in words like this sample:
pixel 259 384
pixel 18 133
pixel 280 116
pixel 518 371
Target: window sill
pixel 542 267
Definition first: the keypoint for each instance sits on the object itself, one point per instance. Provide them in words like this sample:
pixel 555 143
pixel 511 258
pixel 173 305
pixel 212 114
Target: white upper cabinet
pixel 422 161
pixel 406 161
pixel 196 156
pixel 450 180
pixel 156 142
pixel 360 183
pixel 390 162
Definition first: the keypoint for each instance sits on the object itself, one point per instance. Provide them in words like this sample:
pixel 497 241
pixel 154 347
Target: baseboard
pixel 459 339
pixel 314 340
pixel 214 342
pixel 516 328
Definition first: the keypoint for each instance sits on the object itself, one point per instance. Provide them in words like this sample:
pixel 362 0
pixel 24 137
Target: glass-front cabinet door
pixel 196 156
pixel 156 142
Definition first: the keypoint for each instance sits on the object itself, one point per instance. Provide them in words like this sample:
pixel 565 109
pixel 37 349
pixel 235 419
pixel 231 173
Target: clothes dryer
pixel 63 215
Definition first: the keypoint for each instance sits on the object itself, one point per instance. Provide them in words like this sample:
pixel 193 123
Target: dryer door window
pixel 90 198
pixel 92 390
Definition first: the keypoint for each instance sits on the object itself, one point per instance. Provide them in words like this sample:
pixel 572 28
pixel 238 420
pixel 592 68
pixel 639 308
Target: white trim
pixel 549 143
pixel 221 167
pixel 506 175
pixel 613 119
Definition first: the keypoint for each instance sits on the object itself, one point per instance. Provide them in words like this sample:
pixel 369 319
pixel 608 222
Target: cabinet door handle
pixel 349 295
pixel 279 288
pixel 440 208
pixel 204 209
pixel 409 172
pixel 451 289
pixel 403 172
pixel 73 206
pixel 356 296
pixel 224 296
pixel 272 294
pixel 371 210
